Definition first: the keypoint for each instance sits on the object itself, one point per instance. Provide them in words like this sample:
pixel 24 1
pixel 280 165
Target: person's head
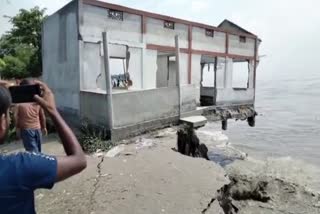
pixel 26 82
pixel 5 103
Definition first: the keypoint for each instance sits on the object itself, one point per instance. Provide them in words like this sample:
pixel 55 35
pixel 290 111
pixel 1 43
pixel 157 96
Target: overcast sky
pixel 289 29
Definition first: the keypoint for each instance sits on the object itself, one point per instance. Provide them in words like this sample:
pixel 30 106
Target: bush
pixel 14 67
pixel 92 139
pixel 2 64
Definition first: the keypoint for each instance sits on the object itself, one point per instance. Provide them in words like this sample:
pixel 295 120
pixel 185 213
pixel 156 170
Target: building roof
pixel 232 27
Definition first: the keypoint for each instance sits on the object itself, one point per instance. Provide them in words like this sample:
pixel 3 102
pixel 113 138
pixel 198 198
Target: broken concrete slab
pixel 194 121
pixel 115 151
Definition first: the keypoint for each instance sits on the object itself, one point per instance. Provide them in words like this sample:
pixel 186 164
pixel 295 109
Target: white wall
pixel 251 74
pixel 98 114
pixel 60 54
pixel 136 107
pixel 150 69
pixel 226 94
pixel 188 97
pixel 232 96
pixel 202 42
pixel 240 75
pixel 150 77
pixel 195 69
pixel 143 69
pixel 243 74
pixel 221 72
pixel 239 48
pixel 228 73
pixel 208 75
pixel 157 34
pixel 135 68
pixel 196 74
pixel 95 21
pixel 162 71
pixel 92 66
pixel 172 74
pixel 129 31
pixel 183 69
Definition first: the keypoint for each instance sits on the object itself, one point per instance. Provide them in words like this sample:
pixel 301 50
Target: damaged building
pixel 131 70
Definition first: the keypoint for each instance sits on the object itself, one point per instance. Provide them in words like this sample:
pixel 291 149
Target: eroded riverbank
pixel 144 175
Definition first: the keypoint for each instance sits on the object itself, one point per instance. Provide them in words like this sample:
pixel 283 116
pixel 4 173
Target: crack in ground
pixel 208 206
pixel 241 189
pixel 225 199
pixel 95 185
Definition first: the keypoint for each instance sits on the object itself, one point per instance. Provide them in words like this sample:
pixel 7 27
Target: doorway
pixel 208 80
pixel 166 72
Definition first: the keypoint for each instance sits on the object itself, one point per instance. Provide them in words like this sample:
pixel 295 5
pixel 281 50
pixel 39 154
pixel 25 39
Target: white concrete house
pixel 139 78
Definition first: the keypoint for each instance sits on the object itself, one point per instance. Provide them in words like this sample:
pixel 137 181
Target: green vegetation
pixel 94 138
pixel 20 48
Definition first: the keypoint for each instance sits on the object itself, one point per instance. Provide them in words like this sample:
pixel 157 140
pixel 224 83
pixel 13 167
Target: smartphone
pixel 24 93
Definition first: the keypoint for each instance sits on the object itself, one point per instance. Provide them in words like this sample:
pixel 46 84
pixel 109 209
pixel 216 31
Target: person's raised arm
pixel 43 122
pixel 4 83
pixel 16 120
pixel 75 161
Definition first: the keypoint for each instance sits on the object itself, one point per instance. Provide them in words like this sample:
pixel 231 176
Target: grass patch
pixel 95 138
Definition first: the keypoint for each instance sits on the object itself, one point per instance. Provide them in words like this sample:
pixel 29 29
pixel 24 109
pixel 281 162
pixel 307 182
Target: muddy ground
pixel 144 175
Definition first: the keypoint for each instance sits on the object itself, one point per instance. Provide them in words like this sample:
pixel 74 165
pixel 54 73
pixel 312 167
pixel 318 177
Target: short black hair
pixel 26 82
pixel 5 100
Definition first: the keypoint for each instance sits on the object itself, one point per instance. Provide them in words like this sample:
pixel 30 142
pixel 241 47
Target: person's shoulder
pixel 14 156
pixel 26 157
pixel 30 170
pixel 22 105
pixel 29 106
pixel 35 106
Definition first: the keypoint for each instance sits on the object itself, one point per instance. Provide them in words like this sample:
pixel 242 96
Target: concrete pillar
pixel 143 55
pixel 251 74
pixel 178 71
pixel 105 40
pixel 215 71
pixel 201 75
pixel 228 73
pixel 220 73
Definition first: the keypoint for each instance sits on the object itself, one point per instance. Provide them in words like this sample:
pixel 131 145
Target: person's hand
pixel 4 83
pixel 45 132
pixel 46 101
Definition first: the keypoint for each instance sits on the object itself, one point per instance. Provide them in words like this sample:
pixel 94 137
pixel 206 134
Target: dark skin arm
pixel 42 118
pixel 75 160
pixel 4 83
pixel 16 120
